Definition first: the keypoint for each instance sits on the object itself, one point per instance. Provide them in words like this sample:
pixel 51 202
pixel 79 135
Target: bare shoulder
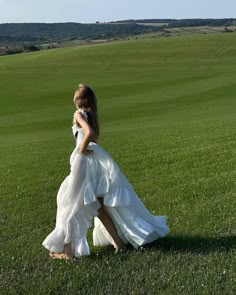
pixel 80 116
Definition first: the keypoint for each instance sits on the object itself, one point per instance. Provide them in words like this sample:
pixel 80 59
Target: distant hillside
pixel 185 22
pixel 24 37
pixel 41 33
pixel 224 22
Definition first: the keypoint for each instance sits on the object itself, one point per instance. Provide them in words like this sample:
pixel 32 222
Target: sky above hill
pixel 87 11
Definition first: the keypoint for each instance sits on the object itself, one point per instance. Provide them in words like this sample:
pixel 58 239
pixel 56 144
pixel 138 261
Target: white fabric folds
pixel 91 176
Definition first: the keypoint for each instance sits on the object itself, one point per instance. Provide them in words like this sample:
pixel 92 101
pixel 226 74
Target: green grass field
pixel 168 117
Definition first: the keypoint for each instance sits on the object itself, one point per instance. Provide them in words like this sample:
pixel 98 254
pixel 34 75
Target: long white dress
pixel 93 175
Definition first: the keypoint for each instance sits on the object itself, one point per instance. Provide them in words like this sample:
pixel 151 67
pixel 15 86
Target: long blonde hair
pixel 85 98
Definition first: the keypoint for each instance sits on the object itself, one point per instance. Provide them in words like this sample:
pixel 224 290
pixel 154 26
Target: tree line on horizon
pixel 16 32
pixel 40 32
pixel 192 22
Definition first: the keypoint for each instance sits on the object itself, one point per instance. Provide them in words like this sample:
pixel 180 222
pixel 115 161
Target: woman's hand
pixel 86 152
pixel 74 117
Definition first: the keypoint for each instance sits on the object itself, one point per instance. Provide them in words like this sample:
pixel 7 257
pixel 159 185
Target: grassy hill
pixel 167 112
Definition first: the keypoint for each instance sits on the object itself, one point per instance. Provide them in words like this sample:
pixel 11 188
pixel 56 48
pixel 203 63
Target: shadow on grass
pixel 195 244
pixel 175 244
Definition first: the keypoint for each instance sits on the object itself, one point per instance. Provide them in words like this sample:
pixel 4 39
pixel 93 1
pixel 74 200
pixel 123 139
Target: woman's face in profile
pixel 74 99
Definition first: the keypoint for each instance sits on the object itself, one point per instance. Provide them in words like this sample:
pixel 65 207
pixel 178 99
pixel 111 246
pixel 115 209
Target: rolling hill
pixel 167 113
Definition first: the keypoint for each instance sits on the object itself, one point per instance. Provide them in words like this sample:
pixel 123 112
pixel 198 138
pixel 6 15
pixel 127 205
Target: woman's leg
pixel 109 225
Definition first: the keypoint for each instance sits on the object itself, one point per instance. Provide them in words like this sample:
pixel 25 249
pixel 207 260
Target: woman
pixel 97 189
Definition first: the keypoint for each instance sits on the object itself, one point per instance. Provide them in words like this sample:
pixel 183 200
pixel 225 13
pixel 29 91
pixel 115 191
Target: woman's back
pixel 78 131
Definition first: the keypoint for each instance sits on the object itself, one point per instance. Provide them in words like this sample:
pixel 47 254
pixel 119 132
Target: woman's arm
pixel 88 131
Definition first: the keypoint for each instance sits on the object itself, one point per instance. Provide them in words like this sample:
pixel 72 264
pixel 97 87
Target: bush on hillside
pixel 14 50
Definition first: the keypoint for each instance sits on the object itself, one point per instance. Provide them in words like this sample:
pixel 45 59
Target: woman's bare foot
pixel 119 247
pixel 61 256
pixel 66 254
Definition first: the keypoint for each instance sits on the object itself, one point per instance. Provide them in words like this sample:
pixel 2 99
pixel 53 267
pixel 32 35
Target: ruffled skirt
pixel 92 176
